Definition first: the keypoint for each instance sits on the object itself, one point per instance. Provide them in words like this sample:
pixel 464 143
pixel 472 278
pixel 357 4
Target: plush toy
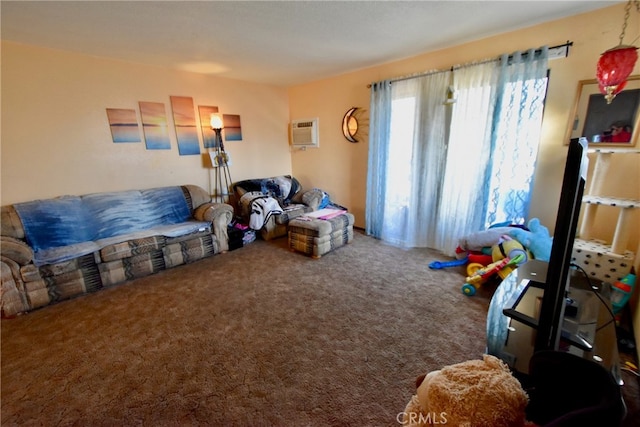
pixel 481 239
pixel 471 393
pixel 508 247
pixel 536 240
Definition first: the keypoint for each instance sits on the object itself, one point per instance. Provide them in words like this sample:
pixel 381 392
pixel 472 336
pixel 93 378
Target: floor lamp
pixel 220 162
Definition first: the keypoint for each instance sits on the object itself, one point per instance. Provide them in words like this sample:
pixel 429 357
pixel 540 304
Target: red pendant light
pixel 616 64
pixel 614 67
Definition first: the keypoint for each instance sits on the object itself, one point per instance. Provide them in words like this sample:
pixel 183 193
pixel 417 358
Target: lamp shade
pixel 614 67
pixel 216 121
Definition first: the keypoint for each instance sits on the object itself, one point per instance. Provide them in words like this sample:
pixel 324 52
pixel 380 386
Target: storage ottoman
pixel 316 237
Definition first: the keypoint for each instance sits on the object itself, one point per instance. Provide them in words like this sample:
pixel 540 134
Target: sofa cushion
pixel 29 273
pixel 61 281
pixel 184 251
pixel 13 299
pixel 16 249
pixel 131 247
pixel 195 196
pixel 37 294
pixel 10 224
pixel 70 283
pixel 144 241
pixel 114 272
pixel 291 212
pixel 57 269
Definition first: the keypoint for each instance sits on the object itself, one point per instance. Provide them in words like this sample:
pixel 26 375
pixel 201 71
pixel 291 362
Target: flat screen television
pixel 556 284
pixel 549 323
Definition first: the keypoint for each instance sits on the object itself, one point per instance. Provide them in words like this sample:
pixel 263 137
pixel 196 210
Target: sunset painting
pixel 123 124
pixel 208 135
pixel 154 125
pixel 184 119
pixel 232 128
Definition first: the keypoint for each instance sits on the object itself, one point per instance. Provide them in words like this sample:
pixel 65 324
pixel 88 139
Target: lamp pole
pixel 221 163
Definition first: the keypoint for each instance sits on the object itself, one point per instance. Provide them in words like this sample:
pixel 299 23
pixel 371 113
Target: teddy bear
pixel 467 394
pixel 536 240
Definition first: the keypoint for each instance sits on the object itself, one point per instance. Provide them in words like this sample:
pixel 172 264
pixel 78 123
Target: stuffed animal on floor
pixel 471 393
pixel 482 239
pixel 537 240
pixel 509 247
pixel 476 247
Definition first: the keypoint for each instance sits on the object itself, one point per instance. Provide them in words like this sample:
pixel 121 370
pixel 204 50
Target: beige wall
pixel 56 138
pixel 340 167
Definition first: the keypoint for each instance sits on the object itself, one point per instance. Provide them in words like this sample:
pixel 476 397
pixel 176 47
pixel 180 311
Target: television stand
pixel 588 330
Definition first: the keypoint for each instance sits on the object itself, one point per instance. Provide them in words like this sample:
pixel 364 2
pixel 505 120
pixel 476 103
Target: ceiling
pixel 273 42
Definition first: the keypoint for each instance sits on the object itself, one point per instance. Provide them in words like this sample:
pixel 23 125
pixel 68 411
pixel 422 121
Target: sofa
pixel 59 248
pixel 268 204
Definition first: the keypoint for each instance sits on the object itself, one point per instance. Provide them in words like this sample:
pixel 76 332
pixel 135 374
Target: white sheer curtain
pixel 468 155
pixel 433 179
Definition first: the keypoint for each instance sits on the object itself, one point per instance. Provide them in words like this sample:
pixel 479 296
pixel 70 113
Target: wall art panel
pixel 154 125
pixel 184 120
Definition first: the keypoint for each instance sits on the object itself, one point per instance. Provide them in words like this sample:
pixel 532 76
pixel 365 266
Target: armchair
pixel 268 204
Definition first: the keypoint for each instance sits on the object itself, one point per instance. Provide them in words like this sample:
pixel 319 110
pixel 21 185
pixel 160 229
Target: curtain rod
pixel 428 73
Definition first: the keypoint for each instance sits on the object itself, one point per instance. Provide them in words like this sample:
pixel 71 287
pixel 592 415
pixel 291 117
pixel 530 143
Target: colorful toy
pixel 506 254
pixel 621 291
pixel 485 253
pixel 474 248
pixel 509 248
pixel 477 257
pixel 438 265
pixel 479 274
pixel 477 247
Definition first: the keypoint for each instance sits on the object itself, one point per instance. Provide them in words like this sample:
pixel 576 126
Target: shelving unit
pixel 606 261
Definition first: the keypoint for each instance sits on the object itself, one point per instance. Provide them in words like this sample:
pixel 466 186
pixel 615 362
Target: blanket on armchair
pixel 259 208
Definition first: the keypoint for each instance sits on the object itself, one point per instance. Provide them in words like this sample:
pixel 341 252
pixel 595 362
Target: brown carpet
pixel 259 336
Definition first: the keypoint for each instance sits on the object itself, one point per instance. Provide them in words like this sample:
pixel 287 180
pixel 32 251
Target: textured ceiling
pixel 274 42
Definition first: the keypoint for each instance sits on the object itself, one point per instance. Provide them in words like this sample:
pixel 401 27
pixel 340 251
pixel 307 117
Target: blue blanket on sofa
pixel 70 220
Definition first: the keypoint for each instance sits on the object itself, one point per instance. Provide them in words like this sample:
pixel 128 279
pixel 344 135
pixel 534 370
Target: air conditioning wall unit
pixel 304 133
